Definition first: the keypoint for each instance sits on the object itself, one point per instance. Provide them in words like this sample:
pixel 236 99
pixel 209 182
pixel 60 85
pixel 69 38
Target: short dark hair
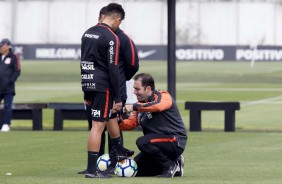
pixel 103 11
pixel 146 80
pixel 115 8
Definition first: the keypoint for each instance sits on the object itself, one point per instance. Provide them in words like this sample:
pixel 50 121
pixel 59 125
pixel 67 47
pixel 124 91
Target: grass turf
pixel 258 89
pixel 251 155
pixel 55 157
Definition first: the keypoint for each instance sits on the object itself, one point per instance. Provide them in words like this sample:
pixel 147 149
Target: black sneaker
pixel 169 173
pixel 180 161
pixel 110 170
pixel 124 154
pixel 82 172
pixel 96 174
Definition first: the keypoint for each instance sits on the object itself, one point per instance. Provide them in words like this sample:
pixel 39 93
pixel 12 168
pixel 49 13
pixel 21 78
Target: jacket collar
pixel 151 98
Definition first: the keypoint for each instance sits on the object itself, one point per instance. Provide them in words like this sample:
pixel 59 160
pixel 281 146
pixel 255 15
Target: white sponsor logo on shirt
pixel 91 36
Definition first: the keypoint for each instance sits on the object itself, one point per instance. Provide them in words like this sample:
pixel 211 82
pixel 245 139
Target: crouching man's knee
pixel 141 142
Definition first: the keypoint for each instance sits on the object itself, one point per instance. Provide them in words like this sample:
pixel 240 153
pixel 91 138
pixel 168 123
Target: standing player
pixel 128 66
pixel 101 82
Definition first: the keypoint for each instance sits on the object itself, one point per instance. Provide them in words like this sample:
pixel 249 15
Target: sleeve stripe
pixel 117 43
pixel 162 101
pixel 132 51
pixel 117 50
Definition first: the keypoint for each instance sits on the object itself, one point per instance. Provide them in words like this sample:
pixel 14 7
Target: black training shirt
pixel 99 61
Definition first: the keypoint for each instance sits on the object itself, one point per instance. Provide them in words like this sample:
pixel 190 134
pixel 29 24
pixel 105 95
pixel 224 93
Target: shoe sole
pixel 81 172
pixel 91 176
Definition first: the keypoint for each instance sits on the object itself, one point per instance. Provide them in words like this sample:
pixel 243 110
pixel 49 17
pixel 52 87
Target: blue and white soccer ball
pixel 126 168
pixel 103 162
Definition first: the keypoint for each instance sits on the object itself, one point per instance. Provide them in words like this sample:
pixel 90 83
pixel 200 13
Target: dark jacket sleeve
pixel 16 68
pixel 130 123
pixel 112 60
pixel 131 58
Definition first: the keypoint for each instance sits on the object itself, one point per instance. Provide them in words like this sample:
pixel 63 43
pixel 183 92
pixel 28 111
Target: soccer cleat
pixel 96 174
pixel 110 170
pixel 81 172
pixel 124 154
pixel 170 172
pixel 5 128
pixel 180 161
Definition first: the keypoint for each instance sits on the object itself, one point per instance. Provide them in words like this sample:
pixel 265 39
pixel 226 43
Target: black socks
pixel 118 144
pixel 92 160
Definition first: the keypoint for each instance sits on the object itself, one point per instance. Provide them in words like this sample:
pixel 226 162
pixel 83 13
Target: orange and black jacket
pixel 159 115
pixel 128 61
pixel 10 70
pixel 100 61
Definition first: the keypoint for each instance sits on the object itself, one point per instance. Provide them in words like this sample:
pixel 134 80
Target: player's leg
pixel 93 145
pixel 111 148
pixel 89 119
pixel 88 105
pixel 8 102
pixel 163 149
pixel 100 108
pixel 117 141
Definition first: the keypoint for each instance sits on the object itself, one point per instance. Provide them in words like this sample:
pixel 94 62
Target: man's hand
pixel 129 107
pixel 87 102
pixel 117 106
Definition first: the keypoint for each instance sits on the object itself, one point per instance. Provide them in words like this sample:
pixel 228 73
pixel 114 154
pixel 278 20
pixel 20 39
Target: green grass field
pixel 252 154
pixel 258 89
pixel 55 157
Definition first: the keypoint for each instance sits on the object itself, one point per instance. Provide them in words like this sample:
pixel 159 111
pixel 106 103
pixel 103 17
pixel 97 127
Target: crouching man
pixel 164 132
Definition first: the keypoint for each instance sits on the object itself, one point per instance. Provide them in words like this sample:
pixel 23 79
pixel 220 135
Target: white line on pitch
pixel 263 101
pixel 235 89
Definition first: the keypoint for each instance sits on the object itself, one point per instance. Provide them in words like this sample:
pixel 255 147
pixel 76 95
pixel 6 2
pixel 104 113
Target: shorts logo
pixel 95 113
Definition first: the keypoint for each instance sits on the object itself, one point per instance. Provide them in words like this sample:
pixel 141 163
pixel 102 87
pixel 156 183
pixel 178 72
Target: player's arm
pixel 112 61
pixel 16 68
pixel 131 58
pixel 130 123
pixel 162 101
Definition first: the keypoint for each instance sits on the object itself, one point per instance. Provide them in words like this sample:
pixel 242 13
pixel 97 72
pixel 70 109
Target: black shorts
pixel 101 105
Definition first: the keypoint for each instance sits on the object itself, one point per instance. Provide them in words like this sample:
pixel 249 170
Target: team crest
pixel 7 61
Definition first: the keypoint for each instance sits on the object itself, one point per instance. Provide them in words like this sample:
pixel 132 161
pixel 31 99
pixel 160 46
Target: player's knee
pixel 141 142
